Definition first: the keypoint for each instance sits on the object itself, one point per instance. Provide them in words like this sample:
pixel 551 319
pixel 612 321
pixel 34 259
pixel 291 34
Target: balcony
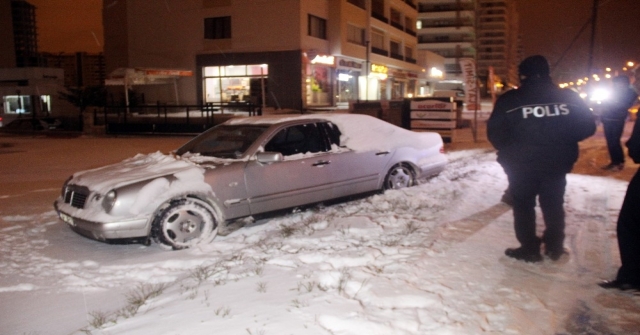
pixel 429 8
pixel 411 4
pixel 397 25
pixel 410 31
pixel 380 51
pixel 410 60
pixel 396 56
pixel 379 16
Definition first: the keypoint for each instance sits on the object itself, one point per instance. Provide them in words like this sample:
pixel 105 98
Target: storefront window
pixel 234 83
pixel 347 85
pixel 17 104
pixel 319 85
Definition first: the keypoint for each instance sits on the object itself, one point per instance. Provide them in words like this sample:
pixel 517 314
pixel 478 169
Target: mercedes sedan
pixel 245 167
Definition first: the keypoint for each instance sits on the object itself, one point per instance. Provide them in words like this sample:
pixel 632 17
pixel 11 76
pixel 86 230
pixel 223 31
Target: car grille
pixel 76 196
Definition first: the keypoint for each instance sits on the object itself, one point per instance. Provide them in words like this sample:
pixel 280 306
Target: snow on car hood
pixel 372 133
pixel 138 168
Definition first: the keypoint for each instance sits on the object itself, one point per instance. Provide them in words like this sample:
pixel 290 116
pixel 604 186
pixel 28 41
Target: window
pixel 317 27
pixel 355 34
pixel 235 83
pixel 408 52
pixel 299 139
pixel 377 39
pixel 216 28
pixel 395 47
pixel 359 3
pixel 396 16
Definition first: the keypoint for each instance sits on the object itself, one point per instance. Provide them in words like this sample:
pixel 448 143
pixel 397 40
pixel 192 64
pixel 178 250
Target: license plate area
pixel 67 219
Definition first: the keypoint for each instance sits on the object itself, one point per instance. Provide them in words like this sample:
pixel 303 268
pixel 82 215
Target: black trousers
pixel 628 230
pixel 613 132
pixel 548 188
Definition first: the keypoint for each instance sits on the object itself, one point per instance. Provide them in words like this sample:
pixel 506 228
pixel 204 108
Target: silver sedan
pixel 245 167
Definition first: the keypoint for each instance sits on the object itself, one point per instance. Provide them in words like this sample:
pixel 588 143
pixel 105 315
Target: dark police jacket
pixel 633 144
pixel 537 127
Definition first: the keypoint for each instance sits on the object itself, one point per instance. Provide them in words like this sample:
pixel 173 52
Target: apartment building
pixel 27 89
pixel 279 53
pixel 81 69
pixel 498 42
pixel 485 30
pixel 447 27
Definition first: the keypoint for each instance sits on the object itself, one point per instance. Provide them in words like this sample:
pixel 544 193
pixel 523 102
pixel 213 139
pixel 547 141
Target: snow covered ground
pixel 425 260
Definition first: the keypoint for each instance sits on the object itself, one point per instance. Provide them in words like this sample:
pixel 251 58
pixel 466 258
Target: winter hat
pixel 534 66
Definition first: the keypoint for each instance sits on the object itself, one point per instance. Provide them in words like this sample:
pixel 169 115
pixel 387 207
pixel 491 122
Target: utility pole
pixel 594 16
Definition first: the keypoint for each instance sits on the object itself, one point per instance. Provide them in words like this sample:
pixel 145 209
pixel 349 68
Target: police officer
pixel 614 116
pixel 628 228
pixel 536 129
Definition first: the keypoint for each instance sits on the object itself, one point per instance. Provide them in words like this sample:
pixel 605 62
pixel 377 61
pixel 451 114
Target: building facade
pixel 498 42
pixel 447 28
pixel 485 30
pixel 27 88
pixel 81 69
pixel 295 54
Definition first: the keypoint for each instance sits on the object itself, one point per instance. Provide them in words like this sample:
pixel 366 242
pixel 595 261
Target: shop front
pixel 264 79
pixel 319 79
pixel 235 84
pixel 348 74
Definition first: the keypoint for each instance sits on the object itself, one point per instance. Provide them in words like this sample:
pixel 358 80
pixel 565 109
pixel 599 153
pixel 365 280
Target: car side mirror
pixel 269 157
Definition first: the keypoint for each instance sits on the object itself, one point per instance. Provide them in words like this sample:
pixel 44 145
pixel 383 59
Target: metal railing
pixel 166 118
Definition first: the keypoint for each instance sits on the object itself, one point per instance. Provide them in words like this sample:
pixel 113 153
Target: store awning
pixel 128 77
pixel 144 76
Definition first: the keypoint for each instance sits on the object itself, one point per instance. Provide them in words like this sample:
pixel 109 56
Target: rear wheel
pixel 399 176
pixel 185 223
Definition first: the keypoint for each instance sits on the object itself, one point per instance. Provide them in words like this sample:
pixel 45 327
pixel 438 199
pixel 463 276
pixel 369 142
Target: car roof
pixel 290 118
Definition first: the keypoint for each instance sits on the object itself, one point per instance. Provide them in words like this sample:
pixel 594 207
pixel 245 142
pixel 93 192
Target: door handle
pixel 382 153
pixel 321 163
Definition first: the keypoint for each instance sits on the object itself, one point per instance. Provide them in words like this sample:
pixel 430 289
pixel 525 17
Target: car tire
pixel 399 176
pixel 185 223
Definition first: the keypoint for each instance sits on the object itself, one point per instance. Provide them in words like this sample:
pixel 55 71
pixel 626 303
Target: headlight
pixel 109 200
pixel 64 187
pixel 599 95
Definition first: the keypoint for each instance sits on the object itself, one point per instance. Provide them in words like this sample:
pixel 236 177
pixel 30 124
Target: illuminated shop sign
pixel 323 59
pixel 375 68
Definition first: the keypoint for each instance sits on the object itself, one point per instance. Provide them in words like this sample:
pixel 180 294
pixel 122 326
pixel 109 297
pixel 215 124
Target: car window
pixel 298 139
pixel 224 141
pixel 332 132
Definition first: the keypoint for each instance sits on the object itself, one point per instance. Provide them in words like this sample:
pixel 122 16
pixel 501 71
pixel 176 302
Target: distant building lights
pixel 434 72
pixel 608 69
pixel 630 64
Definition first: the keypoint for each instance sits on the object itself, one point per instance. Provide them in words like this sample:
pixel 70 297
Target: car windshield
pixel 225 141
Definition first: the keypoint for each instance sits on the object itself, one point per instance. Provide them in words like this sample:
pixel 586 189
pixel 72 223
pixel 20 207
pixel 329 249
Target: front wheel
pixel 185 223
pixel 400 176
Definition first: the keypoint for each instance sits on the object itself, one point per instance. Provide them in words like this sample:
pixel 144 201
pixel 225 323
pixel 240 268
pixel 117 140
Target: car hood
pixel 138 168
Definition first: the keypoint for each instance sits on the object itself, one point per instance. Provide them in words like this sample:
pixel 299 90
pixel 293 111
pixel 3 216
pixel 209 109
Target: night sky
pixel 69 25
pixel 548 27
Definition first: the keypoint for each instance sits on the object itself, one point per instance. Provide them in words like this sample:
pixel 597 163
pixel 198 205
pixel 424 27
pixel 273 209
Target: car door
pixel 353 172
pixel 299 179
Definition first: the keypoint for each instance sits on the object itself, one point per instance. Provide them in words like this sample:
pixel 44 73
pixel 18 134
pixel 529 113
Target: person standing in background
pixel 614 116
pixel 628 226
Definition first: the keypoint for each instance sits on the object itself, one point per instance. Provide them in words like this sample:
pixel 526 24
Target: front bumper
pixel 104 231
